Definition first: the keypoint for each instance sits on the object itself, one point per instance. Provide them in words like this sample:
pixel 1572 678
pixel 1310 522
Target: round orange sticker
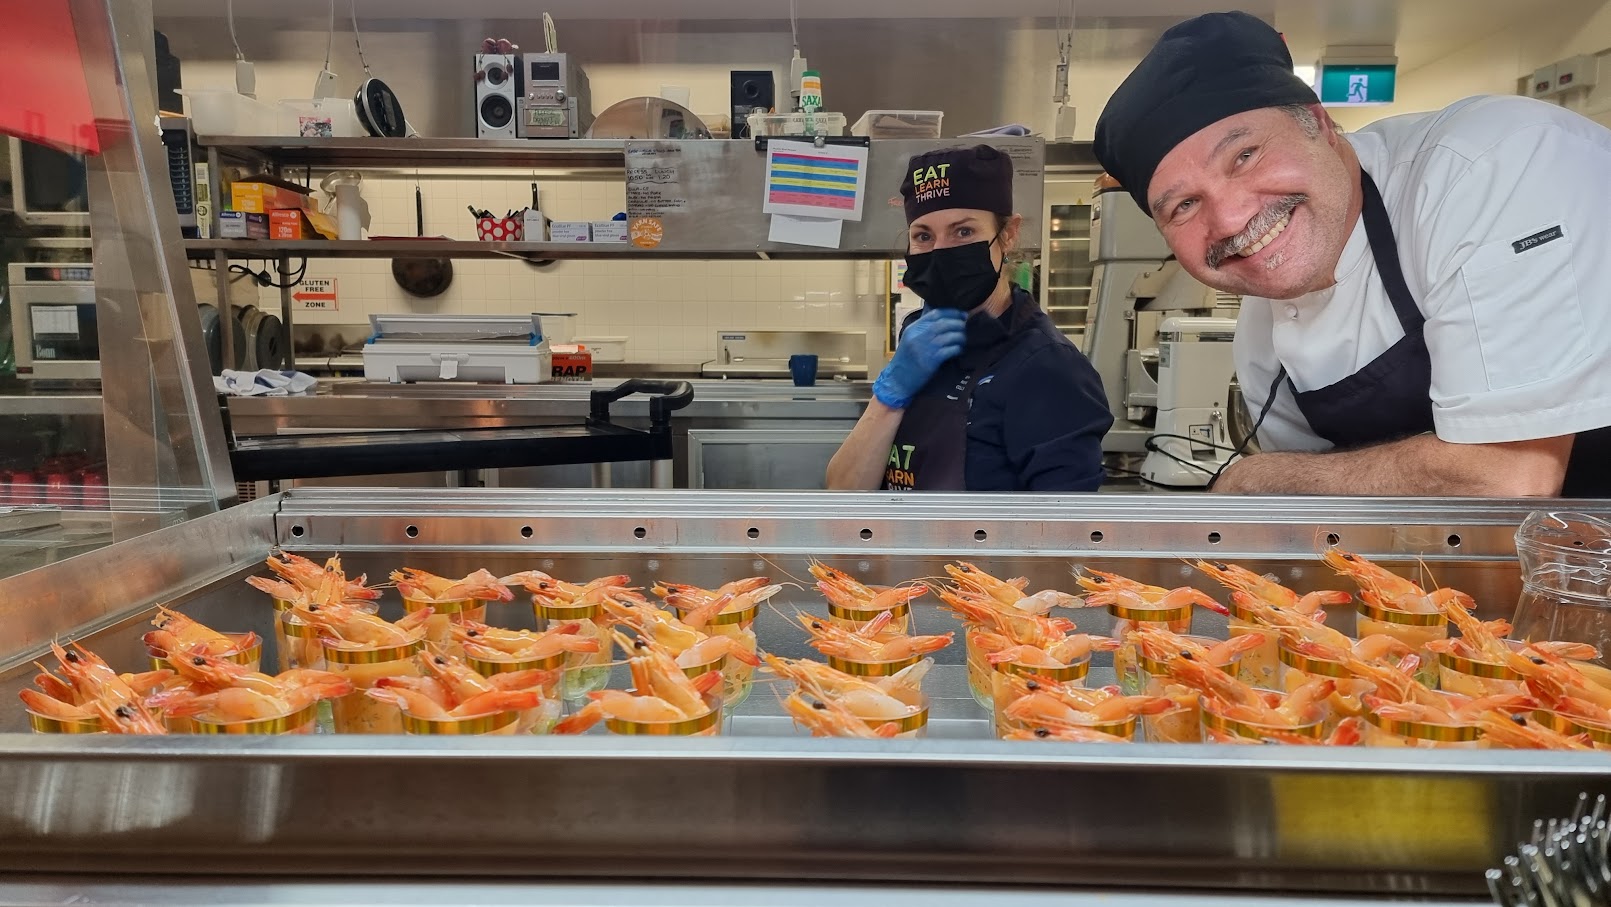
pixel 646 232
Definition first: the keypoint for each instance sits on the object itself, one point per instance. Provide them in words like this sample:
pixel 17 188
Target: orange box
pixel 574 367
pixel 290 223
pixel 260 198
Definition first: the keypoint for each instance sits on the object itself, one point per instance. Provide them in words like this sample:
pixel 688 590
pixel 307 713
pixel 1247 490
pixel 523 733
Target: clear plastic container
pixel 438 627
pixel 1002 690
pixel 706 725
pixel 1475 678
pixel 318 118
pixel 1412 628
pixel 1183 723
pixel 585 672
pixel 1599 734
pixel 1566 580
pixel 301 721
pixel 1127 658
pixel 873 668
pixel 1298 669
pixel 1217 728
pixel 1259 667
pixel 227 112
pixel 979 672
pixel 44 724
pixel 497 723
pixel 1124 727
pixel 899 124
pixel 296 644
pixel 1421 735
pixel 356 713
pixel 784 125
pixel 856 618
pixel 541 719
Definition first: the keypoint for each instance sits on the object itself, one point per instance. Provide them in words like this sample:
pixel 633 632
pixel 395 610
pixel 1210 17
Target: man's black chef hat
pixel 978 177
pixel 1200 72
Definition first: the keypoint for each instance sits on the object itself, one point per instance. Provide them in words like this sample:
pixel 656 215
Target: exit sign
pixel 1357 86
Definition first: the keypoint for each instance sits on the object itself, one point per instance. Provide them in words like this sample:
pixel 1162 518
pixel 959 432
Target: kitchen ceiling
pixel 1422 30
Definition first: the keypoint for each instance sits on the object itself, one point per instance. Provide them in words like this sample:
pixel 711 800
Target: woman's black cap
pixel 978 177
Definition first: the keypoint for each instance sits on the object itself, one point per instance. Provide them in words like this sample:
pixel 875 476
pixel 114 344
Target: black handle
pixel 669 396
pixel 419 212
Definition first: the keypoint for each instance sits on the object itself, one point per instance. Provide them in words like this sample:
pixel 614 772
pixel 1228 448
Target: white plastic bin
pixel 605 349
pixel 899 124
pixel 293 114
pixel 224 111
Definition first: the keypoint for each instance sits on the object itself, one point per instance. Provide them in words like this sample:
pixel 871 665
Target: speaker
pixel 497 84
pixel 749 90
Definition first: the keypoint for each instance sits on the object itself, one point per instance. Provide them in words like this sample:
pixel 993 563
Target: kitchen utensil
pixel 423 277
pixel 647 118
pixel 377 105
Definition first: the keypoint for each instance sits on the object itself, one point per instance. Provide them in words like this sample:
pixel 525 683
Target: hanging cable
pixel 330 36
pixel 356 40
pixel 1269 401
pixel 229 13
pixel 550 34
pixel 794 23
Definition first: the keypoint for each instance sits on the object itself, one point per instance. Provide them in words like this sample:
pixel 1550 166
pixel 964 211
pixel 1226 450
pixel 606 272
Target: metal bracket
pixel 821 141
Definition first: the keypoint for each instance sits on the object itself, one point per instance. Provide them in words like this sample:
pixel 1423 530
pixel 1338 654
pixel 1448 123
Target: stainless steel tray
pixel 759 806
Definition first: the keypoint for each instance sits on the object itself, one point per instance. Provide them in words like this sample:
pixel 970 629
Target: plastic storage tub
pixel 318 117
pixel 787 124
pixel 899 124
pixel 224 111
pixel 605 349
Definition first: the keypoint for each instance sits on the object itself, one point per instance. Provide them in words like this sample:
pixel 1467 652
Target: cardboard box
pixel 572 365
pixel 261 198
pixel 242 225
pixel 536 226
pixel 570 231
pixel 609 231
pixel 289 223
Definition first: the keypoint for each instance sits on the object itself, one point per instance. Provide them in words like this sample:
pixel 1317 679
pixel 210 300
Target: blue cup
pixel 803 366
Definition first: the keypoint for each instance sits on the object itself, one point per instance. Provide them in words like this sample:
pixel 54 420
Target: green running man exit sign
pixel 1357 86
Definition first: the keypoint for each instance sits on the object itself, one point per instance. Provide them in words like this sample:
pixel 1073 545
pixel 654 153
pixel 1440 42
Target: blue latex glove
pixel 930 342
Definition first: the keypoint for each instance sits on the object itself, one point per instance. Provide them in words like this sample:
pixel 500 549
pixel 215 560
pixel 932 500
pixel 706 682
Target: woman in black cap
pixel 1423 305
pixel 984 393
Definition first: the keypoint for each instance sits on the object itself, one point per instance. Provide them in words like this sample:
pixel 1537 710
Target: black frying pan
pixel 424 277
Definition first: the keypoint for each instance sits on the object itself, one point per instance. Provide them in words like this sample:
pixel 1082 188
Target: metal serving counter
pixel 762 806
pixel 738 434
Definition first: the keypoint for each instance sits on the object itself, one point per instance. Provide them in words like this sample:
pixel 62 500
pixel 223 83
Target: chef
pixel 1426 302
pixel 984 393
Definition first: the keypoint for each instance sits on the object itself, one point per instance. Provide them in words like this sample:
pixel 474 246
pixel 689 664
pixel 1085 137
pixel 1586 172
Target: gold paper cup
pixel 1599 734
pixel 565 613
pixel 1381 731
pixel 498 723
pixel 872 668
pixel 356 712
pixel 300 721
pixel 1217 727
pixel 706 725
pixel 856 618
pixel 44 724
pixel 913 725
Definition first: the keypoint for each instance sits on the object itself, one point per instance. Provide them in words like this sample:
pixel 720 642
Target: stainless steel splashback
pixel 765 354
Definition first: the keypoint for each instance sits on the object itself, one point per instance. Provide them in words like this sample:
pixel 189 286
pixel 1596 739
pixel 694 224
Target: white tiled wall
pixel 670 310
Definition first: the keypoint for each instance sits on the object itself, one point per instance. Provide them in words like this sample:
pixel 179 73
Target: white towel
pixel 264 383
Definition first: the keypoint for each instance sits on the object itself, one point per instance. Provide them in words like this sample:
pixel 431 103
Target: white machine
pixel 555 99
pixel 499 349
pixel 1161 342
pixel 1191 436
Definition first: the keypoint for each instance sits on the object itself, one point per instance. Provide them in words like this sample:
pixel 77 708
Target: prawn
pixel 1385 589
pixel 52 707
pixel 620 705
pixel 1267 590
pixel 496 643
pixel 1113 589
pixel 1520 732
pixel 422 586
pixel 1060 732
pixel 826 718
pixel 177 632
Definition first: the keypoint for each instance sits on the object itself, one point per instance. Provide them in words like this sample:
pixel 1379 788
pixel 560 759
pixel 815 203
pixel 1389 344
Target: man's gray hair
pixel 1306 118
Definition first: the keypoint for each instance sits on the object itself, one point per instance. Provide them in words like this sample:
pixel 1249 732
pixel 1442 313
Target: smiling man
pixel 1426 302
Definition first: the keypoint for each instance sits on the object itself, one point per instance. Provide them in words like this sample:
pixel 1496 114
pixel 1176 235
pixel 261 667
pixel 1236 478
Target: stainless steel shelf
pixel 603 154
pixel 453 248
pixel 48 404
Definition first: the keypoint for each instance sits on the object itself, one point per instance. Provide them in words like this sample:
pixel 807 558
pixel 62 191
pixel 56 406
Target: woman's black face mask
pixel 958 277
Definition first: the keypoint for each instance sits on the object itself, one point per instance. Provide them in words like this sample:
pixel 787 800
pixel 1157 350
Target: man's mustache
pixel 1257 227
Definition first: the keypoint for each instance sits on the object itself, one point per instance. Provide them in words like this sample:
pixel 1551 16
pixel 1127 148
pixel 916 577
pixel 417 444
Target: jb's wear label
pixel 1537 239
pixel 898 474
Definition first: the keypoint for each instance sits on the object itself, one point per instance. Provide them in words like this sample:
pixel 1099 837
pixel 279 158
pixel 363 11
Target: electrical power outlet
pixel 245 79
